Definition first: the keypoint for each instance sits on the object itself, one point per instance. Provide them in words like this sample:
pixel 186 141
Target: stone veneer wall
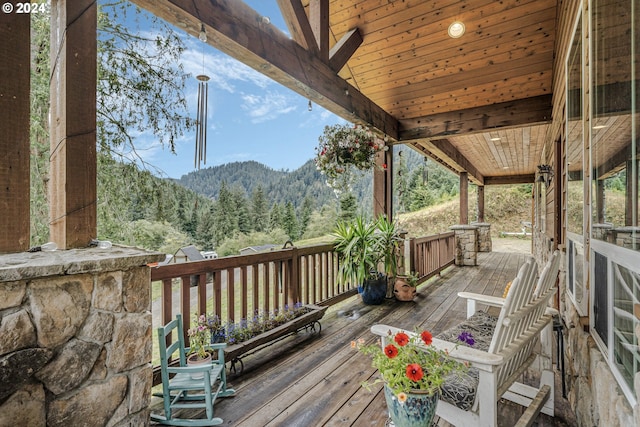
pixel 484 236
pixel 592 390
pixel 466 241
pixel 76 338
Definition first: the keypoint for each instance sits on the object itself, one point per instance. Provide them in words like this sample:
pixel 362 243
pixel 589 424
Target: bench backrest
pixel 522 317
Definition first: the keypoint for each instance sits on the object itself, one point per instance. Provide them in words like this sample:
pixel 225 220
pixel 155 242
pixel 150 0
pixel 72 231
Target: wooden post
pixel 480 203
pixel 14 130
pixel 73 122
pixel 631 205
pixel 600 201
pixel 464 198
pixel 383 184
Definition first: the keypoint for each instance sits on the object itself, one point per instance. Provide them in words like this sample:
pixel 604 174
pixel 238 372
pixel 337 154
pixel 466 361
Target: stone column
pixel 484 236
pixel 628 237
pixel 466 241
pixel 76 346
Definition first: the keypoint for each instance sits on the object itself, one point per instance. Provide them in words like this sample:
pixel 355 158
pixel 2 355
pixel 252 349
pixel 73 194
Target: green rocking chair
pixel 180 390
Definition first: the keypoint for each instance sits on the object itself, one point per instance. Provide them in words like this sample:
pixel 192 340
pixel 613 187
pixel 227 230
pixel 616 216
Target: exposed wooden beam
pixel 614 164
pixel 237 30
pixel 452 153
pixel 319 19
pixel 383 185
pixel 511 179
pixel 425 152
pixel 15 50
pixel 342 51
pixel 529 111
pixel 298 24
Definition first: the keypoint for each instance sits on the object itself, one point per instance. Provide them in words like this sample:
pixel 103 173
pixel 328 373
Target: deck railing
pixel 430 255
pixel 237 287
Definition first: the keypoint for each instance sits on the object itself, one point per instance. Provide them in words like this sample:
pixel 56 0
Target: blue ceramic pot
pixel 417 411
pixel 374 291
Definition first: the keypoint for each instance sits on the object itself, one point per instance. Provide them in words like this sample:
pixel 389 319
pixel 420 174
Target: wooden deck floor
pixel 316 380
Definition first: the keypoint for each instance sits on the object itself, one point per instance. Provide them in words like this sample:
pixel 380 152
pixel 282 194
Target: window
pixel 613 147
pixel 574 166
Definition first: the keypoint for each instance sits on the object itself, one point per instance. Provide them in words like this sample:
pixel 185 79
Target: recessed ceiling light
pixel 456 29
pixel 495 138
pixel 596 127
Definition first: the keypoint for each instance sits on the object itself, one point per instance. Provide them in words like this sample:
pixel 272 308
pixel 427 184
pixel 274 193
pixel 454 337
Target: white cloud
pixel 224 71
pixel 262 108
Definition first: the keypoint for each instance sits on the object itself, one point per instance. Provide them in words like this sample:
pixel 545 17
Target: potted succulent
pixel 404 288
pixel 362 247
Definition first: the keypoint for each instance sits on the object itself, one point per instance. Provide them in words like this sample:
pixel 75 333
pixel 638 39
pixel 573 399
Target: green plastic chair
pixel 180 390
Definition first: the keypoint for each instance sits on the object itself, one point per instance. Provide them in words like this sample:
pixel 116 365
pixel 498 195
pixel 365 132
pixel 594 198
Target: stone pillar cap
pixel 463 227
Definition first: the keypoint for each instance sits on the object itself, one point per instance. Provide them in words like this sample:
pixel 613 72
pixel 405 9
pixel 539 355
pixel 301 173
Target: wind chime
pixel 201 119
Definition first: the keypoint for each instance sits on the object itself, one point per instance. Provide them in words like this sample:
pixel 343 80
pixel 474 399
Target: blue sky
pixel 251 117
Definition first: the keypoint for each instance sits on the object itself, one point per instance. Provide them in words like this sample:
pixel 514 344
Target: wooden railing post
pixel 294 279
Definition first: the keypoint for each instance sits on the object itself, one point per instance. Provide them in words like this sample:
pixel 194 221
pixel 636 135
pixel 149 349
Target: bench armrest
pixel 477 358
pixel 472 299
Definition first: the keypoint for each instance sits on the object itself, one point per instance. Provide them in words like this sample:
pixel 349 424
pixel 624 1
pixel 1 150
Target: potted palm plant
pixel 389 241
pixel 362 247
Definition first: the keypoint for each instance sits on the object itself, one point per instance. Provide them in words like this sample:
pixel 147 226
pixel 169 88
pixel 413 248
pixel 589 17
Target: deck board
pixel 316 381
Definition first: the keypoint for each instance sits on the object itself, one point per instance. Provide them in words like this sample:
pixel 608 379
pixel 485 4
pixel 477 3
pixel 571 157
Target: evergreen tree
pixel 242 210
pixel 348 207
pixel 290 221
pixel 225 219
pixel 259 210
pixel 276 216
pixel 305 213
pixel 205 232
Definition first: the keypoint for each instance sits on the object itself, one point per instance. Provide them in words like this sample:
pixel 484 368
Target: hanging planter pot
pixel 342 150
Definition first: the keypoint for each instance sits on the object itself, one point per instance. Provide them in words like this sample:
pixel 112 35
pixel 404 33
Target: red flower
pixel 391 351
pixel 384 166
pixel 414 372
pixel 427 338
pixel 401 339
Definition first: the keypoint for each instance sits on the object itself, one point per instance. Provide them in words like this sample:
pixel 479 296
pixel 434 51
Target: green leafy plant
pixel 389 242
pixel 410 362
pixel 411 278
pixel 366 249
pixel 199 336
pixel 358 251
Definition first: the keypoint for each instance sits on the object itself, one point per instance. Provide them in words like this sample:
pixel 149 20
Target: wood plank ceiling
pixel 480 103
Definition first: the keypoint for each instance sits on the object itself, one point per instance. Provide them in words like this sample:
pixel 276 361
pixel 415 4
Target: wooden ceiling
pixel 480 103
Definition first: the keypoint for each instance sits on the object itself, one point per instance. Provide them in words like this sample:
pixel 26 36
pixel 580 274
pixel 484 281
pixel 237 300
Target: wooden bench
pixel 504 349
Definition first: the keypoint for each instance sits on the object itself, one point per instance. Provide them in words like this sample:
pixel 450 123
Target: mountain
pixel 279 186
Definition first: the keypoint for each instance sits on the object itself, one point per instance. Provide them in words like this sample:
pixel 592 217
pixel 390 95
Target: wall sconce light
pixel 545 174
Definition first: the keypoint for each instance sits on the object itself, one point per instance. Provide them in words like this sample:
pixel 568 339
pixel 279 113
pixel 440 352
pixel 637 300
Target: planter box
pixel 234 353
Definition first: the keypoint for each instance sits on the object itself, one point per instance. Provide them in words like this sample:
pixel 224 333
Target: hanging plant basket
pixel 343 150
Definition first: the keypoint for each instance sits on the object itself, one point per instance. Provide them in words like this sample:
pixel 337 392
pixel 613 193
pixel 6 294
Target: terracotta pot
pixel 403 290
pixel 194 360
